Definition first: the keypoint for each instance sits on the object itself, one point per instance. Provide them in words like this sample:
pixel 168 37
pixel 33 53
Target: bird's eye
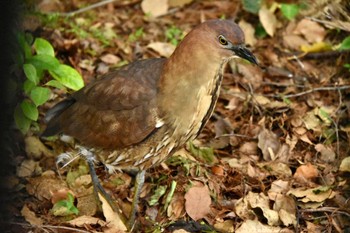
pixel 222 40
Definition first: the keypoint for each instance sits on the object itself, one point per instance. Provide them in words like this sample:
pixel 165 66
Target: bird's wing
pixel 115 111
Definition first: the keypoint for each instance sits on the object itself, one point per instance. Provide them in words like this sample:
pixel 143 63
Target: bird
pixel 140 114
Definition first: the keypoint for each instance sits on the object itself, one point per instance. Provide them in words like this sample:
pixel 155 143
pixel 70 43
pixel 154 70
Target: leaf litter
pixel 278 138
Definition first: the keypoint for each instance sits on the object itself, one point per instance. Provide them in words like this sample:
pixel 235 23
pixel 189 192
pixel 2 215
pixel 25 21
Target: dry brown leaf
pixel 114 223
pixel 176 207
pixel 268 144
pixel 245 205
pixel 253 74
pixel 225 226
pixel 44 186
pixel 110 59
pixel 28 167
pixel 345 165
pixel 278 169
pixel 164 49
pixel 30 216
pixel 278 187
pixel 286 208
pixel 268 20
pixel 318 194
pixel 155 10
pixel 312 227
pixel 249 148
pixel 327 154
pixel 257 227
pixel 198 202
pixel 83 221
pixel 61 194
pixel 249 32
pixel 294 41
pixel 87 204
pixel 35 148
pixel 306 172
pixel 312 31
pixel 178 3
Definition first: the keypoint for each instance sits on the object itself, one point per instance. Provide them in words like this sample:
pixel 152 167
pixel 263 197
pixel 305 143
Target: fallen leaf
pixel 306 172
pixel 268 144
pixel 244 207
pixel 114 223
pixel 312 31
pixel 179 3
pixel 249 148
pixel 257 227
pixel 225 226
pixel 286 208
pixel 28 167
pixel 198 202
pixel 318 194
pixel 42 187
pixel 268 20
pixel 35 148
pixel 345 165
pixel 278 187
pixel 83 221
pixel 164 49
pixel 294 41
pixel 61 194
pixel 30 216
pixel 155 10
pixel 176 207
pixel 110 59
pixel 327 154
pixel 316 47
pixel 249 32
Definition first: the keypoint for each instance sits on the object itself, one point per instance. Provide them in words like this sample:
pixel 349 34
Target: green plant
pixel 345 45
pixel 174 35
pixel 36 60
pixel 136 35
pixel 65 207
pixel 289 11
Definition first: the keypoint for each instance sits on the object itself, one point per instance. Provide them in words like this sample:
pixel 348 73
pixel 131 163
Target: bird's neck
pixel 188 90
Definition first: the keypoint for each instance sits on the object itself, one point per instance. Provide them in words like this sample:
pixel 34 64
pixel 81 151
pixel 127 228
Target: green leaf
pixel 345 44
pixel 23 42
pixel 158 193
pixel 252 6
pixel 28 86
pixel 68 76
pixel 29 110
pixel 65 207
pixel 289 10
pixel 260 31
pixel 56 84
pixel 43 62
pixel 42 46
pixel 40 95
pixel 30 73
pixel 22 122
pixel 204 153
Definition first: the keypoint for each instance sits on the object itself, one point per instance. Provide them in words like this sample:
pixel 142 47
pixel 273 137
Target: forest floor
pixel 274 157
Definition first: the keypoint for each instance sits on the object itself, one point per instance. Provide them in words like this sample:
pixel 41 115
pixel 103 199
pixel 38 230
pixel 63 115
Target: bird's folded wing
pixel 113 112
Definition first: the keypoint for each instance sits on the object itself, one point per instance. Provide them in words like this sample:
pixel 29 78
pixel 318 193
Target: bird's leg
pixel 139 181
pixel 98 188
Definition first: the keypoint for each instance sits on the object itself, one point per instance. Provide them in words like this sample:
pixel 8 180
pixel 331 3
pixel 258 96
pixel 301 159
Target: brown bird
pixel 138 115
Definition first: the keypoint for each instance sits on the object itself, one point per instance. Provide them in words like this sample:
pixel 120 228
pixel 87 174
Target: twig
pixel 49 227
pixel 317 89
pixel 326 209
pixel 95 5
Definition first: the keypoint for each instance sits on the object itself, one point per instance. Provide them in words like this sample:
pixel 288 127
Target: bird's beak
pixel 244 53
